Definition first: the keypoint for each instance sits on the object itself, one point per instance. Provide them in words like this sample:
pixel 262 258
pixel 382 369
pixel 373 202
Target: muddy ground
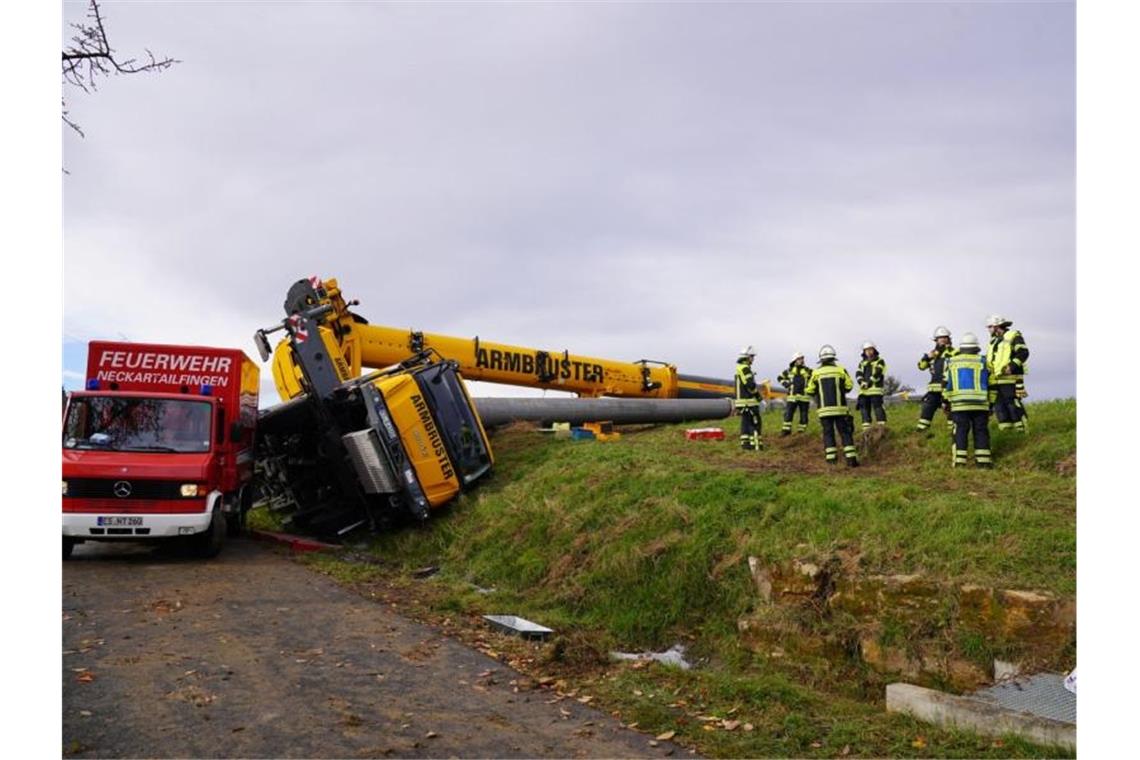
pixel 253 655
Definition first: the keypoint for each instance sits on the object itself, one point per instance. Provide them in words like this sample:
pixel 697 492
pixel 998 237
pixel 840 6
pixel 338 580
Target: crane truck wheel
pixel 209 543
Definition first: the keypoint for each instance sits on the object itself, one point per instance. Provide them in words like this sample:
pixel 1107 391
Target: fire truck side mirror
pixel 262 345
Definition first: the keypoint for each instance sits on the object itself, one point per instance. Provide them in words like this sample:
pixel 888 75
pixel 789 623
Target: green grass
pixel 644 541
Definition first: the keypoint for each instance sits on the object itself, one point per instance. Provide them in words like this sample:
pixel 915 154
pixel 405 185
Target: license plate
pixel 118 521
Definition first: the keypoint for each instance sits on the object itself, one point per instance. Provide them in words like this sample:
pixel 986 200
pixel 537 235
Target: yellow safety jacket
pixel 967 382
pixel 830 384
pixel 1008 351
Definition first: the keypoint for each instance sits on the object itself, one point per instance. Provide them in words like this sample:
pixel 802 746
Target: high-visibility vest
pixel 830 384
pixel 967 382
pixel 1001 356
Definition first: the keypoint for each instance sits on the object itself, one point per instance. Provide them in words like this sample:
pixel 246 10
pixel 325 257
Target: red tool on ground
pixel 705 434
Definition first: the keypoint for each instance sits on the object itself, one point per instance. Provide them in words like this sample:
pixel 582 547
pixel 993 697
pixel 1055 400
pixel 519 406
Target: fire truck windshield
pixel 137 424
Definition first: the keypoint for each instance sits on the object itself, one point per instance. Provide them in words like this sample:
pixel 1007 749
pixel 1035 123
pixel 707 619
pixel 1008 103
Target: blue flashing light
pixel 92 384
pixel 207 390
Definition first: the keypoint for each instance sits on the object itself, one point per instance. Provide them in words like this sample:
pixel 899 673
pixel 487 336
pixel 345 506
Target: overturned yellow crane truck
pixel 347 452
pixel 364 451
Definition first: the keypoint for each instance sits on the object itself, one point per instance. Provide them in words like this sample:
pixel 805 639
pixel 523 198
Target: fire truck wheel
pixel 209 543
pixel 235 521
pixel 68 545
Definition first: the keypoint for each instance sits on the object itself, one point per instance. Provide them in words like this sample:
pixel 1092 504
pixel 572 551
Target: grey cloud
pixel 621 180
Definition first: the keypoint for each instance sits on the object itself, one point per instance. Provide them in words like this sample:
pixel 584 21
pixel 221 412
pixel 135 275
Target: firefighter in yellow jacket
pixel 748 401
pixel 966 394
pixel 795 379
pixel 830 383
pixel 1009 357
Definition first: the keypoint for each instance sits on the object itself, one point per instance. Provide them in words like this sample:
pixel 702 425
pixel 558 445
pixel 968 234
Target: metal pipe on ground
pixel 620 411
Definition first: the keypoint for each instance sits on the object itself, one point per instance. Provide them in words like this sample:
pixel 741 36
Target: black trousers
pixel 931 402
pixel 845 426
pixel 750 427
pixel 978 424
pixel 869 403
pixel 1007 407
pixel 790 413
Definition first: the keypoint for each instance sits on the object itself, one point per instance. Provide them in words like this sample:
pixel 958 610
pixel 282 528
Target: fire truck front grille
pixel 121 488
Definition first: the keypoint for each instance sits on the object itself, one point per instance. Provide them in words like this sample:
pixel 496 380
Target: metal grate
pixel 1043 695
pixel 369 461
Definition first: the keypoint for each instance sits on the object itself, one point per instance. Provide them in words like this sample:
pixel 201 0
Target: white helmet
pixel 826 351
pixel 941 332
pixel 869 344
pixel 969 340
pixel 797 356
pixel 747 351
pixel 997 320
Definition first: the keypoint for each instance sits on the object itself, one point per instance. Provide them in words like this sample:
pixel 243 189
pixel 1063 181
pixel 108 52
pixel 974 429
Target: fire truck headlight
pixel 65 488
pixel 189 489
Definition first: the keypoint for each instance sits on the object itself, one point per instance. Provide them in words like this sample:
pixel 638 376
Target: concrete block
pixel 977 715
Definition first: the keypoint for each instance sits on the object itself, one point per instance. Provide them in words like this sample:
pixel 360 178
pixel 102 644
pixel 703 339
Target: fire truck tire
pixel 209 543
pixel 235 521
pixel 68 545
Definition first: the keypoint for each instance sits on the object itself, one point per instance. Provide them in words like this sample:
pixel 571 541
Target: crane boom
pixel 354 344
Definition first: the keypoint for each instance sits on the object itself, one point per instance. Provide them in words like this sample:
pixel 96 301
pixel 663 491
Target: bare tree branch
pixel 90 56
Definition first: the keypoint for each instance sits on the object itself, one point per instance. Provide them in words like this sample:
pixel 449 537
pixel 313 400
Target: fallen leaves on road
pixel 666 736
pixel 165 606
pixel 85 677
pixel 195 695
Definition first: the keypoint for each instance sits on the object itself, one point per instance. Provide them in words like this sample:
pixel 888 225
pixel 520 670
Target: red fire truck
pixel 159 445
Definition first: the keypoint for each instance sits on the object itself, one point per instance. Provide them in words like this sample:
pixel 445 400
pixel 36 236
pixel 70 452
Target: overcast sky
pixel 624 181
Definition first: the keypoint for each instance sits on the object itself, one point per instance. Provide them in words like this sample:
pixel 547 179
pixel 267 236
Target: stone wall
pixel 928 631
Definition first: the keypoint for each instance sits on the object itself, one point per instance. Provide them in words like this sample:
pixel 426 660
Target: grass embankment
pixel 643 542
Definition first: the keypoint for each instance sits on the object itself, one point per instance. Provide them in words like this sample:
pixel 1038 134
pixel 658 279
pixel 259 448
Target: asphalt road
pixel 252 655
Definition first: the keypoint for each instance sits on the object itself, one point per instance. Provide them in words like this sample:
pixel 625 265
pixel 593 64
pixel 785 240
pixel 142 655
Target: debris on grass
pixel 517 626
pixel 674 655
